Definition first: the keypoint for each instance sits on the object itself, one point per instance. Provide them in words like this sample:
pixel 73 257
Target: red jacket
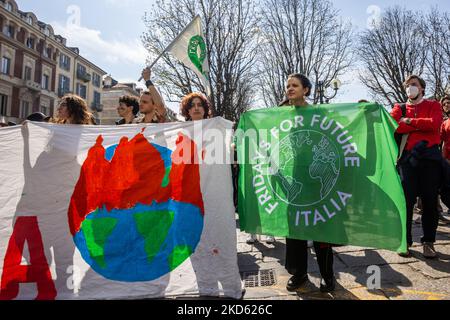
pixel 426 121
pixel 445 138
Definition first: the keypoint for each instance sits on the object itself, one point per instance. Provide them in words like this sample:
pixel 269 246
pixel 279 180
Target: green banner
pixel 325 173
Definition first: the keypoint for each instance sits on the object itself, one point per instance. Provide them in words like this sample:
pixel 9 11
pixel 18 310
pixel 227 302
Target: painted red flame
pixel 134 175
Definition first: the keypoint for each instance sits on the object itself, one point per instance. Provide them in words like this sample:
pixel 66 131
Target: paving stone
pixel 362 258
pixel 436 269
pixel 412 278
pixel 244 247
pixel 264 293
pixel 249 260
pixel 418 286
pixel 443 251
pixel 391 257
pixel 344 249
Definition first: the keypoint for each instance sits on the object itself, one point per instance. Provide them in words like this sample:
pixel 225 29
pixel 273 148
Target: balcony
pixel 31 85
pixel 83 76
pixel 95 106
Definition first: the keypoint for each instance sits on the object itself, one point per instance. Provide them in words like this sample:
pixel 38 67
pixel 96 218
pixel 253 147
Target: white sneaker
pixel 270 240
pixel 251 238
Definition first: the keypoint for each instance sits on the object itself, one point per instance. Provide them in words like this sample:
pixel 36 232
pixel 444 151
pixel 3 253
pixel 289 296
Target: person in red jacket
pixel 445 128
pixel 445 140
pixel 420 165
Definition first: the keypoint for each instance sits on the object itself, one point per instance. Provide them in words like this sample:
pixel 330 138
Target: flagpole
pixel 170 45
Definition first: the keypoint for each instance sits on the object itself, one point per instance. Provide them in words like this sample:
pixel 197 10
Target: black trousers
pixel 297 257
pixel 422 180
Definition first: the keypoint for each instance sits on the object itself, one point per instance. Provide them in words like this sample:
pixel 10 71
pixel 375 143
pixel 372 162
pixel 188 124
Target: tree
pixel 390 51
pixel 436 31
pixel 301 36
pixel 231 44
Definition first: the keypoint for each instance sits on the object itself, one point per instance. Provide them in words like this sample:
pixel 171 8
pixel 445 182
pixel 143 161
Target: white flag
pixel 190 49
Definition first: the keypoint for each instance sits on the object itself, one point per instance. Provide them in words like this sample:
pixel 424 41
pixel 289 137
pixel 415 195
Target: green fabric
pixel 325 173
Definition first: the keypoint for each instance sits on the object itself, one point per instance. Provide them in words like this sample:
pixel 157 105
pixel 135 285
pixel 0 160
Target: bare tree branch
pixel 304 36
pixel 230 39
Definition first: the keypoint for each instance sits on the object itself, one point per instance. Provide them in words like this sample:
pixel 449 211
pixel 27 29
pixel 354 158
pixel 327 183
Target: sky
pixel 108 32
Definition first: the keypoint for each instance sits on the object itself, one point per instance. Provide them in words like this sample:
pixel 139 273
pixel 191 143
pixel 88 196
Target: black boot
pixel 327 285
pixel 296 281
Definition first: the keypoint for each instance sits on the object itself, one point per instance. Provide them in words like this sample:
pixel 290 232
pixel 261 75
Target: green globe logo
pixel 304 168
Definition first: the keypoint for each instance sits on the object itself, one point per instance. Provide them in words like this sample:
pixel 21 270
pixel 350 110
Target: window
pixel 81 90
pixel 25 110
pixel 30 43
pixel 6 65
pixel 9 31
pixel 45 110
pixel 30 20
pixel 9 6
pixel 47 31
pixel 27 73
pixel 64 85
pixel 3 105
pixel 81 69
pixel 97 98
pixel 48 52
pixel 64 62
pixel 45 81
pixel 96 80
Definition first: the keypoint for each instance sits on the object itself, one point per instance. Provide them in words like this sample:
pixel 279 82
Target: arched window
pixel 30 42
pixel 8 30
pixel 28 71
pixel 9 6
pixel 6 64
pixel 45 81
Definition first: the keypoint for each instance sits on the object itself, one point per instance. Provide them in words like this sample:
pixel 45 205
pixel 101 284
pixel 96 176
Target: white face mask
pixel 412 92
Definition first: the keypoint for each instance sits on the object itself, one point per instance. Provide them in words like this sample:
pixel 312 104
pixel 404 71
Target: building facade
pixel 112 91
pixel 37 67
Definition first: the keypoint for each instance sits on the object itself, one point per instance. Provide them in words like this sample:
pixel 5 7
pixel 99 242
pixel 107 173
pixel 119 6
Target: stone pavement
pixel 414 278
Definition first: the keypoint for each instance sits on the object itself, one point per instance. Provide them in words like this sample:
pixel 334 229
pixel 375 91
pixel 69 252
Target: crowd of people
pixel 423 162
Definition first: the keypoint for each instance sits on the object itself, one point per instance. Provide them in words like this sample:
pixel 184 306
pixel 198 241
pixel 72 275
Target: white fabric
pixel 179 49
pixel 39 168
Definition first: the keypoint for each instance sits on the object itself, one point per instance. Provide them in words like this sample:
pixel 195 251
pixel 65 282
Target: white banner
pixel 102 212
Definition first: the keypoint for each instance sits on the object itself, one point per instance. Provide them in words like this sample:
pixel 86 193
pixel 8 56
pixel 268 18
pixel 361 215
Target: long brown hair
pixel 78 110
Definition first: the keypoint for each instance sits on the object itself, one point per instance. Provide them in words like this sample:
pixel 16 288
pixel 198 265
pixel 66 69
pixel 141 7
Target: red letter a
pixel 26 228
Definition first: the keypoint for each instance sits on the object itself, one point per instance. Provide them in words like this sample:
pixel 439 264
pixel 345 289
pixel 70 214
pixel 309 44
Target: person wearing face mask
pixel 420 163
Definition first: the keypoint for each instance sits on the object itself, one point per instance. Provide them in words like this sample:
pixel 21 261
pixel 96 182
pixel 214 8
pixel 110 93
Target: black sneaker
pixel 327 285
pixel 296 281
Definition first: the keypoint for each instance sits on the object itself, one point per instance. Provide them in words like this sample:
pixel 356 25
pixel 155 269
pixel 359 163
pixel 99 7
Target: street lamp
pixel 335 84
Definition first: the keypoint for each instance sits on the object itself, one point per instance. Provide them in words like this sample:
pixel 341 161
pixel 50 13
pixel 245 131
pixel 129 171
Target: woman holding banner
pixel 297 89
